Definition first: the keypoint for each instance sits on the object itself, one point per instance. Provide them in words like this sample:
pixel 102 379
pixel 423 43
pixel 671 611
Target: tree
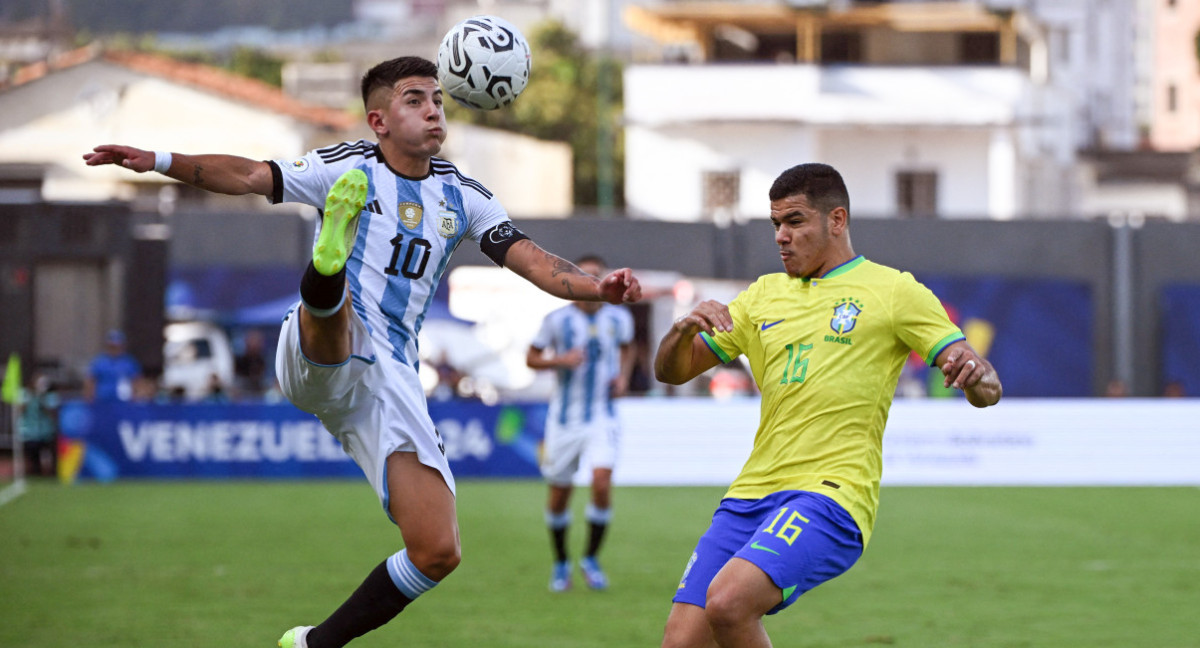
pixel 573 97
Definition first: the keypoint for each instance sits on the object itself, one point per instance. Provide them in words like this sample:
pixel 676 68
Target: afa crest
pixel 447 224
pixel 410 214
pixel 845 315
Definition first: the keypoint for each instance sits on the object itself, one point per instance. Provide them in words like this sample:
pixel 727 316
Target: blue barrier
pixel 106 441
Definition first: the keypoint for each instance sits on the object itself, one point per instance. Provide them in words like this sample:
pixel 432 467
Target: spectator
pixel 1174 389
pixel 216 391
pixel 113 373
pixel 1116 389
pixel 250 366
pixel 39 426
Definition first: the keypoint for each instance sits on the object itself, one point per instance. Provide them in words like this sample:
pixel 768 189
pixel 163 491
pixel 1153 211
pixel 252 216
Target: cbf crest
pixel 410 214
pixel 845 315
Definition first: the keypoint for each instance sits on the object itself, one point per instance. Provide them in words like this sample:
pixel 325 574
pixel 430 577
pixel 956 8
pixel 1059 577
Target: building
pixel 53 112
pixel 1170 101
pixel 931 109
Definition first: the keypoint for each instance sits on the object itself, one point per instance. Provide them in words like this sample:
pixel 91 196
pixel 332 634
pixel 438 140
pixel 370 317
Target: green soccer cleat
pixel 339 224
pixel 295 638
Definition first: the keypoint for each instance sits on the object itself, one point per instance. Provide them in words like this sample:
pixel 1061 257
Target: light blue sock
pixel 558 520
pixel 597 515
pixel 324 312
pixel 408 579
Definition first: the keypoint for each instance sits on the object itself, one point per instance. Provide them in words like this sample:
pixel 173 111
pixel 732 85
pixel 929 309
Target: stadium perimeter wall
pixel 665 441
pixel 1083 251
pixel 938 442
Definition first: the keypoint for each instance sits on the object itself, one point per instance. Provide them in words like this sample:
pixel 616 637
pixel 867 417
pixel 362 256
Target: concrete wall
pixel 1072 250
pixel 1161 253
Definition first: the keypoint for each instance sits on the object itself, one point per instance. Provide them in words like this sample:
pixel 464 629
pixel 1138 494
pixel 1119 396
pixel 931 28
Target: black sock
pixel 373 604
pixel 595 538
pixel 559 536
pixel 320 291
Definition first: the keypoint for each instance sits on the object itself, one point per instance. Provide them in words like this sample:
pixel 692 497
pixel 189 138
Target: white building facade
pixel 946 110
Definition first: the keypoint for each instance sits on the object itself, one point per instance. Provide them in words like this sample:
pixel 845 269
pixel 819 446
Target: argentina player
pixel 392 215
pixel 589 347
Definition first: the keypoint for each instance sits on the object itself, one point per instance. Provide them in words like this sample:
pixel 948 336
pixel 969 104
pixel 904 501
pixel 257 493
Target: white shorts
pixel 566 446
pixel 374 405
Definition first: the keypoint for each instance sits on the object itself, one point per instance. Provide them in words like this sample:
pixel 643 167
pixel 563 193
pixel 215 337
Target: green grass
pixel 205 564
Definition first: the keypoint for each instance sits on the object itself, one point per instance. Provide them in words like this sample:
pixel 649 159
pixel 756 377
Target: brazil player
pixel 826 340
pixel 589 346
pixel 392 215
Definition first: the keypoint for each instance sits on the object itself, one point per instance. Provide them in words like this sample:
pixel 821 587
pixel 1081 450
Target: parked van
pixel 195 352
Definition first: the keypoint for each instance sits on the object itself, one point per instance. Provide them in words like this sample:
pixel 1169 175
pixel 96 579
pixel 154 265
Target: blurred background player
pixel 826 340
pixel 589 346
pixel 113 373
pixel 348 352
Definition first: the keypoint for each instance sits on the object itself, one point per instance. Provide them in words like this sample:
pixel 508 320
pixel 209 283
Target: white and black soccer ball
pixel 483 63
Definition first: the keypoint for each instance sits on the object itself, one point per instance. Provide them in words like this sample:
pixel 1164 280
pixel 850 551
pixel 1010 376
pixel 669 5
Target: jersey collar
pixel 845 267
pixel 837 270
pixel 379 153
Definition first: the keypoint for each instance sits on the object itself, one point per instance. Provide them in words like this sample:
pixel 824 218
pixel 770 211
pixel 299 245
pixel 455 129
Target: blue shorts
pixel 799 539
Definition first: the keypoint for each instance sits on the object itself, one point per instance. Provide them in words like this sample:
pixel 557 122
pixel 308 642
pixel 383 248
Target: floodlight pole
pixel 1123 226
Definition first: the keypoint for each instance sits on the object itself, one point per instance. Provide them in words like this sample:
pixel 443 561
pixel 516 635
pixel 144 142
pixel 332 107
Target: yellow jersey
pixel 826 354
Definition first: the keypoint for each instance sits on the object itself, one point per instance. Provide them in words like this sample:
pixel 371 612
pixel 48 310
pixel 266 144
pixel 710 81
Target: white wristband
pixel 162 161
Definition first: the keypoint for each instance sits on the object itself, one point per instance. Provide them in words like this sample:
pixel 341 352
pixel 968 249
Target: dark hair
pixel 820 183
pixel 387 73
pixel 591 258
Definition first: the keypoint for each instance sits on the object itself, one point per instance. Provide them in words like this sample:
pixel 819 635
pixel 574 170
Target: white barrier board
pixel 1020 442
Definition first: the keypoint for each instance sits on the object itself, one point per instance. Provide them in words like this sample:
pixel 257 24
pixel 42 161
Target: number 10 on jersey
pixel 416 257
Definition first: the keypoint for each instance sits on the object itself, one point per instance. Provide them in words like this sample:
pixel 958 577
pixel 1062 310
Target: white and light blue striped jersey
pixel 584 394
pixel 406 233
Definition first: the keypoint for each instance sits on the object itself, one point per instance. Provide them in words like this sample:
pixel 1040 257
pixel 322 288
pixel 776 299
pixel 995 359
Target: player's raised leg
pixel 423 507
pixel 324 322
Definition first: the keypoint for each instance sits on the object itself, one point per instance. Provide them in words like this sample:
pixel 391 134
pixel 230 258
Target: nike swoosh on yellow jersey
pixel 766 326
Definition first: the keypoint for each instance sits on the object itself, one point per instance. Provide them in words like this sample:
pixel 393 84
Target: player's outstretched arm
pixel 563 279
pixel 964 369
pixel 226 174
pixel 683 354
pixel 536 358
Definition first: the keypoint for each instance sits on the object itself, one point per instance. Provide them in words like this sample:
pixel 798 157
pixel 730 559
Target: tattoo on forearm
pixel 566 269
pixel 562 266
pixel 196 178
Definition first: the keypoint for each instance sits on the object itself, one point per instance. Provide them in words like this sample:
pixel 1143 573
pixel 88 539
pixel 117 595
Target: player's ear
pixel 838 218
pixel 376 121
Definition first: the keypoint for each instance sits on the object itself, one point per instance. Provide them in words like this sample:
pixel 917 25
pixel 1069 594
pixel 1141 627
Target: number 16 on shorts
pixel 786 525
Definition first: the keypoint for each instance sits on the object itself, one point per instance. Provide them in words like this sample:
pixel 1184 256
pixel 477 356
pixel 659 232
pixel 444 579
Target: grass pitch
pixel 230 564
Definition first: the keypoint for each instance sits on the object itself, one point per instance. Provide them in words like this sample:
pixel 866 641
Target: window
pixel 841 47
pixel 77 228
pixel 722 190
pixel 916 194
pixel 20 190
pixel 979 47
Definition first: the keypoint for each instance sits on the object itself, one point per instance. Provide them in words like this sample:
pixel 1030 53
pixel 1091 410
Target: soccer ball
pixel 483 63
